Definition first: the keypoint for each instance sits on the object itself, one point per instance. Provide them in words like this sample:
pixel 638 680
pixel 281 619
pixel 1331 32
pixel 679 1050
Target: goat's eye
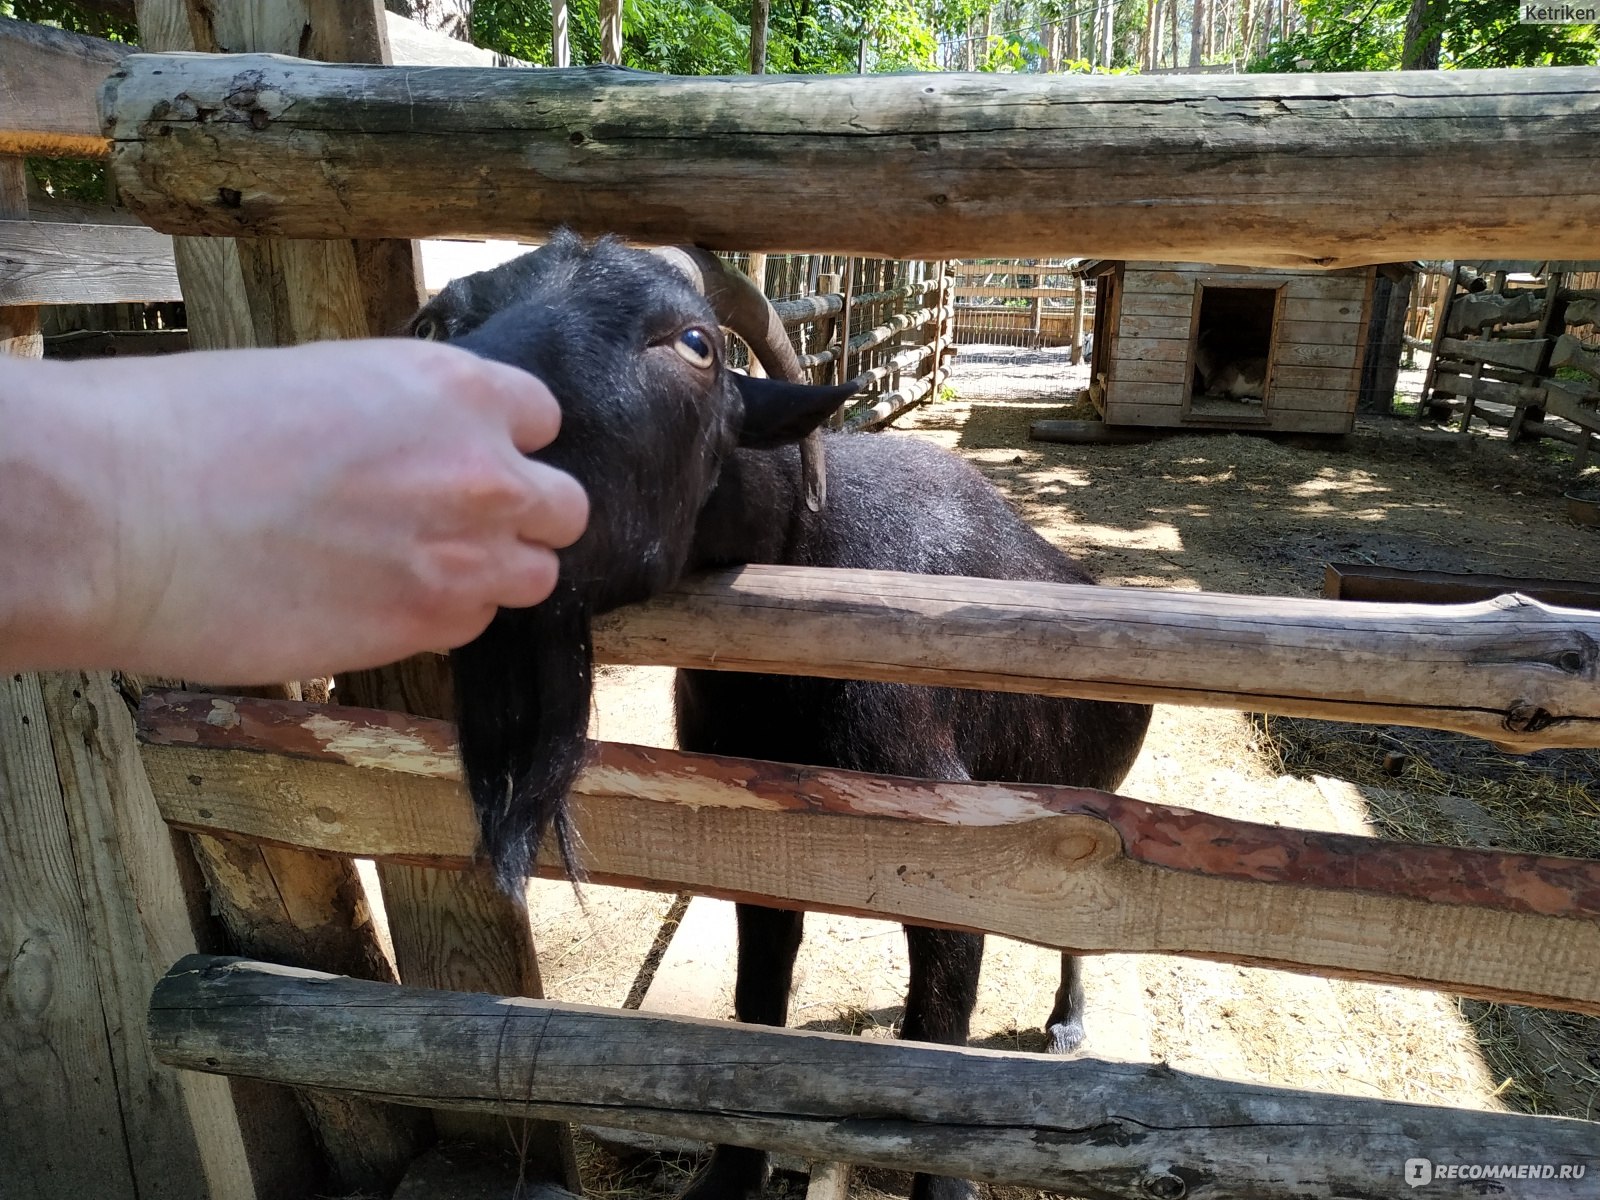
pixel 694 346
pixel 429 329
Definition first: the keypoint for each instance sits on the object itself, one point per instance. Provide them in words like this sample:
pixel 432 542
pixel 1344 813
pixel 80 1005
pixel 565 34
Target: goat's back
pixel 895 504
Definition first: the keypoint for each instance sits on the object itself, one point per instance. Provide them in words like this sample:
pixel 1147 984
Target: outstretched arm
pixel 260 515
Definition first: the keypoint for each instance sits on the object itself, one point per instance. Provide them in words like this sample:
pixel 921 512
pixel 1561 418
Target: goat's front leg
pixel 769 940
pixel 939 1003
pixel 1064 1028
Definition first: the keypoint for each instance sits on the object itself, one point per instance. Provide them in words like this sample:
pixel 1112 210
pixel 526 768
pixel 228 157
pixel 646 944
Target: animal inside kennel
pixel 106 811
pixel 1208 347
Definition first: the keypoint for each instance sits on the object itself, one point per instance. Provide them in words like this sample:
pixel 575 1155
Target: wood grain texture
pixel 1511 671
pixel 1063 867
pixel 183 1137
pixel 19 324
pixel 53 262
pixel 1078 1126
pixel 965 166
pixel 456 929
pixel 55 1058
pixel 49 84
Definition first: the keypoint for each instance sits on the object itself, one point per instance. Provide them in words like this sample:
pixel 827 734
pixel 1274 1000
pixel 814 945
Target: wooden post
pixel 560 43
pixel 611 32
pixel 1079 295
pixel 19 324
pixel 760 12
pixel 1441 320
pixel 297 907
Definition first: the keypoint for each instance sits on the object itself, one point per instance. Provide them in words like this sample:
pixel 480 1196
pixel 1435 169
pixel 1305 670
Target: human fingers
pixel 529 405
pixel 528 576
pixel 556 508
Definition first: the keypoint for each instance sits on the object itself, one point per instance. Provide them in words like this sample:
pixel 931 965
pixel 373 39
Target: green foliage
pixel 1369 35
pixel 79 18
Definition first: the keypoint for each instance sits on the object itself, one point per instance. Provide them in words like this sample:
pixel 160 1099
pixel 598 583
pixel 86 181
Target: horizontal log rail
pixel 1064 867
pixel 1122 1131
pixel 50 82
pixel 1512 671
pixel 1215 169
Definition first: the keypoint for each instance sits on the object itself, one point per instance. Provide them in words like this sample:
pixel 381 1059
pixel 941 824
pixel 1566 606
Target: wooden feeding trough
pixel 1197 346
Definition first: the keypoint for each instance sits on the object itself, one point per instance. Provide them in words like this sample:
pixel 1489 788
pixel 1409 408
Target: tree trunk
pixel 1385 344
pixel 1173 17
pixel 611 32
pixel 1197 33
pixel 760 11
pixel 1424 36
pixel 560 45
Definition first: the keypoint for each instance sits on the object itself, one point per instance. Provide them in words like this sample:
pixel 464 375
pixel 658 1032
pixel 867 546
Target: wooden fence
pixel 278 794
pixel 1515 341
pixel 1021 302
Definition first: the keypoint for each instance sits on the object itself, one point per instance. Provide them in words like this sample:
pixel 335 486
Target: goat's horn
pixel 745 309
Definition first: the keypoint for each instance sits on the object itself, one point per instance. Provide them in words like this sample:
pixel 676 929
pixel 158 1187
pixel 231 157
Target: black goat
pixel 689 465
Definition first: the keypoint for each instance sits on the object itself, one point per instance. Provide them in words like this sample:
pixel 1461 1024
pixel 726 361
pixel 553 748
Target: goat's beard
pixel 523 689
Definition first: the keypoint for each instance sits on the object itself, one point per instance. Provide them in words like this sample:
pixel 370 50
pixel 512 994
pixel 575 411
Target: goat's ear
pixel 776 412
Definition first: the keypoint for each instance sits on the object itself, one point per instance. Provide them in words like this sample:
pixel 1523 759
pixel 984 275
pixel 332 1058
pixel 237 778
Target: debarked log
pixel 1084 1127
pixel 1513 671
pixel 1228 169
pixel 1063 867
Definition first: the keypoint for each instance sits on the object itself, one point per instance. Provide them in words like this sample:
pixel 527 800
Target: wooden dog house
pixel 1198 346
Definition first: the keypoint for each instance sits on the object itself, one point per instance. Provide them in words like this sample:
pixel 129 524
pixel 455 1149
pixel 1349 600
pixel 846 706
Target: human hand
pixel 273 514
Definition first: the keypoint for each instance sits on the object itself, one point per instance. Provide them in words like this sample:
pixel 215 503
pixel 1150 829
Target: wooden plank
pixel 49 82
pixel 1570 352
pixel 1121 409
pixel 1090 871
pixel 1520 356
pixel 1175 328
pixel 1130 369
pixel 1464 385
pixel 292 906
pixel 1088 433
pixel 1153 349
pixel 1336 357
pixel 1293 380
pixel 183 1138
pixel 1158 304
pixel 1318 333
pixel 831 164
pixel 1363 581
pixel 1333 312
pixel 1347 287
pixel 58 263
pixel 1077 1126
pixel 1319 397
pixel 58 1091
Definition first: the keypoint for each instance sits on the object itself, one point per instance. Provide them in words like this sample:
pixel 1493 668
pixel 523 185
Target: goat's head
pixel 629 343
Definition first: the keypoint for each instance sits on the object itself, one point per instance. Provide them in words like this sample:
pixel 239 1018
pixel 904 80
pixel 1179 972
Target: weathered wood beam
pixel 1570 352
pixel 55 262
pixel 1521 356
pixel 902 166
pixel 1513 671
pixel 1063 867
pixel 49 84
pixel 1127 1131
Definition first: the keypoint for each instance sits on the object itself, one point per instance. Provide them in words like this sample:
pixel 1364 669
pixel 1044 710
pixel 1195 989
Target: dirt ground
pixel 1214 513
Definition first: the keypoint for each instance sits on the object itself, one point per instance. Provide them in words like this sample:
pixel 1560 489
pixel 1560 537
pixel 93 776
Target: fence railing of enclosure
pixel 1023 302
pixel 280 794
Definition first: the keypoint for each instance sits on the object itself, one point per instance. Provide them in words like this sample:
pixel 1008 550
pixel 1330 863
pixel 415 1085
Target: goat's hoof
pixel 1064 1038
pixel 734 1173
